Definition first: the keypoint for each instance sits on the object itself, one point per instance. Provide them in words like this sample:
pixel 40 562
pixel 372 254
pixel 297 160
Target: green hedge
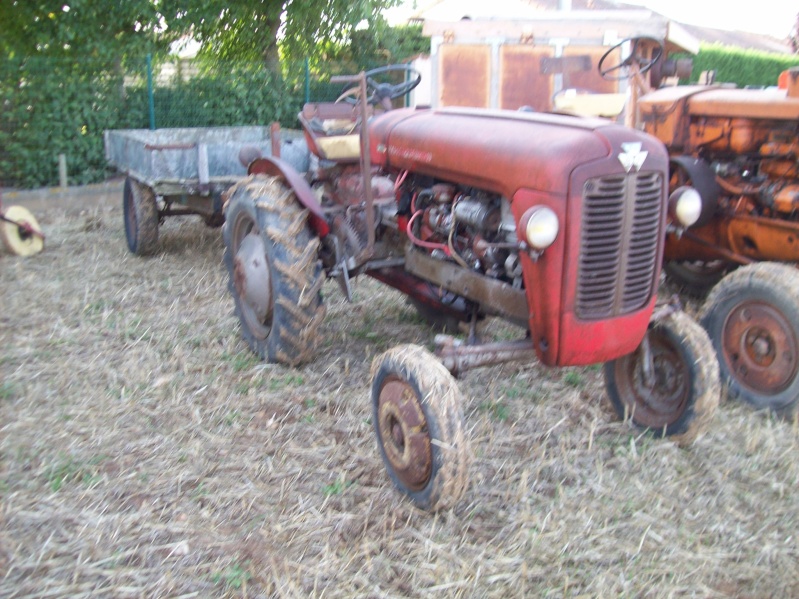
pixel 48 108
pixel 742 67
pixel 51 107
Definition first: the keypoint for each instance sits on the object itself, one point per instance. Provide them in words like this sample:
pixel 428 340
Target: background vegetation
pixel 741 66
pixel 70 70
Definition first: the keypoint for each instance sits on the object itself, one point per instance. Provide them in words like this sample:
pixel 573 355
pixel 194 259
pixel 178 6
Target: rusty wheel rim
pixel 662 401
pixel 251 277
pixel 404 434
pixel 760 347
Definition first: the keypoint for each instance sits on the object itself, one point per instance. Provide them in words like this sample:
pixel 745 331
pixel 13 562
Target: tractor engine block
pixel 470 227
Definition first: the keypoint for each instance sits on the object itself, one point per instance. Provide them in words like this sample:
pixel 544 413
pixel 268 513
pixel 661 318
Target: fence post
pixel 307 82
pixel 62 171
pixel 150 99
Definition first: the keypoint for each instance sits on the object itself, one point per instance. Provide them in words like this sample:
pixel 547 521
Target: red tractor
pixel 552 222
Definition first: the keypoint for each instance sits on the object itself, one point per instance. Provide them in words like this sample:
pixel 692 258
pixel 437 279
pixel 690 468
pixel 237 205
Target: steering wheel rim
pixel 643 64
pixel 381 92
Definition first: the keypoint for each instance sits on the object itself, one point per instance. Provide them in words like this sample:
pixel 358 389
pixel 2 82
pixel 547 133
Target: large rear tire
pixel 752 317
pixel 274 272
pixel 418 420
pixel 683 393
pixel 140 211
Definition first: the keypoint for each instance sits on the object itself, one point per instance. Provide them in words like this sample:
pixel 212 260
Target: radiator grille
pixel 618 245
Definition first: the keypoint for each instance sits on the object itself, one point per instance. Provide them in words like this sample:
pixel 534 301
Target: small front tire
pixel 418 420
pixel 680 398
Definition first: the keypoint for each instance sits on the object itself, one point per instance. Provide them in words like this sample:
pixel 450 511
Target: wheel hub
pixel 252 280
pixel 403 431
pixel 658 400
pixel 661 402
pixel 759 347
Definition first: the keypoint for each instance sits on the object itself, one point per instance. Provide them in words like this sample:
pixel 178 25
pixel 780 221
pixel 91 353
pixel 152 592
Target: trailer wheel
pixel 274 272
pixel 418 420
pixel 696 278
pixel 752 317
pixel 140 212
pixel 680 398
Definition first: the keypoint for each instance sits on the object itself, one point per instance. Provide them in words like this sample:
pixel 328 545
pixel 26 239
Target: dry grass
pixel 146 453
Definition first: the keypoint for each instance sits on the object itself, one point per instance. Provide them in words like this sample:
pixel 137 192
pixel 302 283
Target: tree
pixel 79 29
pixel 266 29
pixel 793 38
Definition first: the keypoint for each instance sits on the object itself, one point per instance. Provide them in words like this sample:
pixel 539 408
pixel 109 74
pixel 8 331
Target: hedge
pixel 51 107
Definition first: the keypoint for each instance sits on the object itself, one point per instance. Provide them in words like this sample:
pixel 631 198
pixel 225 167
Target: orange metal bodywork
pixel 750 238
pixel 748 141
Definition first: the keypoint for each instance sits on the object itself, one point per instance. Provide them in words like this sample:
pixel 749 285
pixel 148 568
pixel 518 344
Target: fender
pixel 275 167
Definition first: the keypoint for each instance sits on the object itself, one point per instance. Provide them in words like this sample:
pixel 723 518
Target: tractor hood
pixel 719 101
pixel 499 151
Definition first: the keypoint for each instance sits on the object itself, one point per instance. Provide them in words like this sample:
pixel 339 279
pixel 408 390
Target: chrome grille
pixel 618 244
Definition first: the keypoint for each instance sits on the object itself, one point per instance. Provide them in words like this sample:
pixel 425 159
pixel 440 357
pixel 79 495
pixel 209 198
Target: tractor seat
pixel 333 131
pixel 590 104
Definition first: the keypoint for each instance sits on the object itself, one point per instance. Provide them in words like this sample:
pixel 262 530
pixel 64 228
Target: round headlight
pixel 541 227
pixel 685 205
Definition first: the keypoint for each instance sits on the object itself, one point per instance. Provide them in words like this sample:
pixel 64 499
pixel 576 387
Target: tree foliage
pixel 265 29
pixel 80 29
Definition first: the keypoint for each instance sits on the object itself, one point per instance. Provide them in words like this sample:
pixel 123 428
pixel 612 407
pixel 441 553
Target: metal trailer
pixel 175 172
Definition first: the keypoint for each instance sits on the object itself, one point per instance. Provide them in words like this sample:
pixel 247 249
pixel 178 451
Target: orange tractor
pixel 739 148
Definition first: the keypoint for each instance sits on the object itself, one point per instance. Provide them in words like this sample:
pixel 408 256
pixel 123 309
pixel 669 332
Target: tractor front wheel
pixel 274 273
pixel 418 420
pixel 673 387
pixel 752 317
pixel 140 211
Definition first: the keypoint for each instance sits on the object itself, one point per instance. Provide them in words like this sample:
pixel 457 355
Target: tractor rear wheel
pixel 752 317
pixel 140 212
pixel 418 420
pixel 680 396
pixel 274 273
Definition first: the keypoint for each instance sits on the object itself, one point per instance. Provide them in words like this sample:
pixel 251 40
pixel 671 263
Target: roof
pixel 740 39
pixel 521 10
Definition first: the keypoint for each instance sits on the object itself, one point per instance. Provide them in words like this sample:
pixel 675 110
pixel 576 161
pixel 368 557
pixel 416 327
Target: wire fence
pixel 51 107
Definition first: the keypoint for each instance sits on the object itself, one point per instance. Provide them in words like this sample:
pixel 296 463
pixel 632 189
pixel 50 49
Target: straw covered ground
pixel 145 452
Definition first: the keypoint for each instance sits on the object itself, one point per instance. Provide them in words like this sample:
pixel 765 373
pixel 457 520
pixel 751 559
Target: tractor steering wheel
pixel 634 62
pixel 382 93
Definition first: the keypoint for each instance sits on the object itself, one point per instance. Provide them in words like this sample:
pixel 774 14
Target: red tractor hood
pixel 500 151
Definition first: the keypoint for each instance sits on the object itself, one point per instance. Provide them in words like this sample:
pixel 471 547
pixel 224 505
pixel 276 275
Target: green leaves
pixel 742 67
pixel 50 108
